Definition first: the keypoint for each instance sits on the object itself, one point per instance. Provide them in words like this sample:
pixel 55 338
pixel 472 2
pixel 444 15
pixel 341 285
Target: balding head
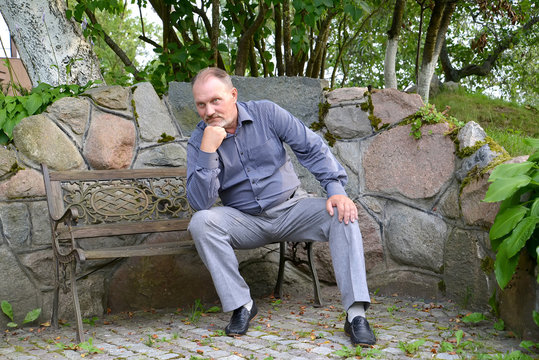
pixel 208 72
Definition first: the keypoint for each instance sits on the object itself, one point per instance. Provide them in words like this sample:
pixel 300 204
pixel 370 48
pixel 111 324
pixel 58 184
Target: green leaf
pixel 3 117
pixel 11 324
pixel 532 142
pixel 31 316
pixel 536 317
pixel 510 170
pixel 7 309
pixel 534 210
pixel 527 344
pixel 506 220
pixel 520 235
pixel 504 267
pixel 503 188
pixel 33 103
pixel 474 318
pixel 534 157
pixel 499 325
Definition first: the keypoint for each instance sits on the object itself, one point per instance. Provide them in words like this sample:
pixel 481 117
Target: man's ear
pixel 235 94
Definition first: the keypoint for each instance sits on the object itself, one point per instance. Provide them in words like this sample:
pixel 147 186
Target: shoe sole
pixel 360 344
pixel 237 334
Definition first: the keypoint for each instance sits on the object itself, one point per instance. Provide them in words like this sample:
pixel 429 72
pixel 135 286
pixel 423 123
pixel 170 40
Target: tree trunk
pixel 439 22
pixel 244 43
pixel 52 48
pixel 315 60
pixel 278 39
pixel 390 75
pixel 215 31
pixel 288 63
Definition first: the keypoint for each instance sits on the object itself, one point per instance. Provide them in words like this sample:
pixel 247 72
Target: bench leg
pixel 314 276
pixel 76 305
pixel 56 293
pixel 278 292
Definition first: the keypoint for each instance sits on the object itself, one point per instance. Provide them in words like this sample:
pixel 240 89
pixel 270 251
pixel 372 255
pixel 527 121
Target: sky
pixel 4 35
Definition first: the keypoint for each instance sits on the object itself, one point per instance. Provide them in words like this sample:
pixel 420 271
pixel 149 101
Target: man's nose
pixel 209 110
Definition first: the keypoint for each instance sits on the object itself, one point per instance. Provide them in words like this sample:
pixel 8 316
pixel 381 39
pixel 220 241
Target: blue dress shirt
pixel 251 170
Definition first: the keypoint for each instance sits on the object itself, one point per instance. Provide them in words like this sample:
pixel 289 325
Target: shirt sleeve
pixel 311 151
pixel 202 176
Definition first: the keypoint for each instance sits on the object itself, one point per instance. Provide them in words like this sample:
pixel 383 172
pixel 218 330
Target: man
pixel 236 153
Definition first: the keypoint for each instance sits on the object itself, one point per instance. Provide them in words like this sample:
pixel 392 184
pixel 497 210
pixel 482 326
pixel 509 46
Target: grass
pixel 505 122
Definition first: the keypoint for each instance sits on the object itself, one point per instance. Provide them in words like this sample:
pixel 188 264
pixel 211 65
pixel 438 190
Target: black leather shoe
pixel 359 331
pixel 239 322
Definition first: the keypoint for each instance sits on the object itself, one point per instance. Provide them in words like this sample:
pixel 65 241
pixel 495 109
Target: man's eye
pixel 216 101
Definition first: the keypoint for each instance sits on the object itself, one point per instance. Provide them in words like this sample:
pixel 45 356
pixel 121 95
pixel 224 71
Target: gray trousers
pixel 217 232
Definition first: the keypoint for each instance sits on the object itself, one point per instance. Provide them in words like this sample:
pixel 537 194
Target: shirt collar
pixel 243 115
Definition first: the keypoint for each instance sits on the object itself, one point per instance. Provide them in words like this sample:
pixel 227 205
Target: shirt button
pixel 257 198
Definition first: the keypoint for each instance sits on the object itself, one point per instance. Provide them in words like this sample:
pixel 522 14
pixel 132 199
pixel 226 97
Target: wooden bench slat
pixel 169 248
pixel 92 231
pixel 117 174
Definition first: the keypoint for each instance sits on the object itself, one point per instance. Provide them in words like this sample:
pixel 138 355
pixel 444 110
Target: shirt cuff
pixel 208 160
pixel 335 188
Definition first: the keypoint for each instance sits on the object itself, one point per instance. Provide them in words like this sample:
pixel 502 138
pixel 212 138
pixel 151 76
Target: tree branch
pixel 484 68
pixel 114 47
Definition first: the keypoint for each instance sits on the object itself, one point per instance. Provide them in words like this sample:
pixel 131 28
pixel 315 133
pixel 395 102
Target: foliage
pixel 123 28
pixel 358 351
pixel 198 310
pixel 474 318
pixel 7 309
pixel 87 346
pixel 505 122
pixel 429 115
pixel 410 348
pixel 15 108
pixel 515 226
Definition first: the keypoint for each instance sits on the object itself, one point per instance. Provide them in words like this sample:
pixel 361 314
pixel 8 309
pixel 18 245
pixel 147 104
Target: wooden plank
pixel 118 174
pixel 53 191
pixel 170 248
pixel 90 231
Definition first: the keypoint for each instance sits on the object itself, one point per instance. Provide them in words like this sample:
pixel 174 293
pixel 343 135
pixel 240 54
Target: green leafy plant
pixel 515 226
pixel 358 351
pixel 15 108
pixel 198 309
pixel 8 310
pixel 530 345
pixel 429 115
pixel 90 321
pixel 474 318
pixel 411 348
pixel 87 346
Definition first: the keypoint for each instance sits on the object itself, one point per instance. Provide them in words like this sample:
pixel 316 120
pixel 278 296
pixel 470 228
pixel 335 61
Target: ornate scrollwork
pixel 106 201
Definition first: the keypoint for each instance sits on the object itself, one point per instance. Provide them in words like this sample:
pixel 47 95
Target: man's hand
pixel 212 138
pixel 346 209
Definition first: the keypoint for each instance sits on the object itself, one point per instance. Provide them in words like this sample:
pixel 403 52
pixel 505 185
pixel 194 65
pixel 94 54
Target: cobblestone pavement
pixel 287 329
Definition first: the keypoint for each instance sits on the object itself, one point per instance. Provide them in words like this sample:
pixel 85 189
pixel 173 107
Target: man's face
pixel 216 102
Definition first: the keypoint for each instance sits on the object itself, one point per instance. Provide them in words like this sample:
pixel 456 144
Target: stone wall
pixel 423 235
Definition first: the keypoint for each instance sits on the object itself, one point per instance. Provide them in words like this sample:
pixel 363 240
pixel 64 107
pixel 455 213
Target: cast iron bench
pixel 91 204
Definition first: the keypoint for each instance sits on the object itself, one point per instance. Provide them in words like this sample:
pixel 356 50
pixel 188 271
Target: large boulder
pixel 397 164
pixel 110 143
pixel 42 141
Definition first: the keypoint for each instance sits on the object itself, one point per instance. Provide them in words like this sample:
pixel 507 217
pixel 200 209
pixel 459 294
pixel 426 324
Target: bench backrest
pixel 123 201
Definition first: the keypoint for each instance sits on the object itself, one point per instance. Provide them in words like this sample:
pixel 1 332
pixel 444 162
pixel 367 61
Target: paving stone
pixel 275 333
